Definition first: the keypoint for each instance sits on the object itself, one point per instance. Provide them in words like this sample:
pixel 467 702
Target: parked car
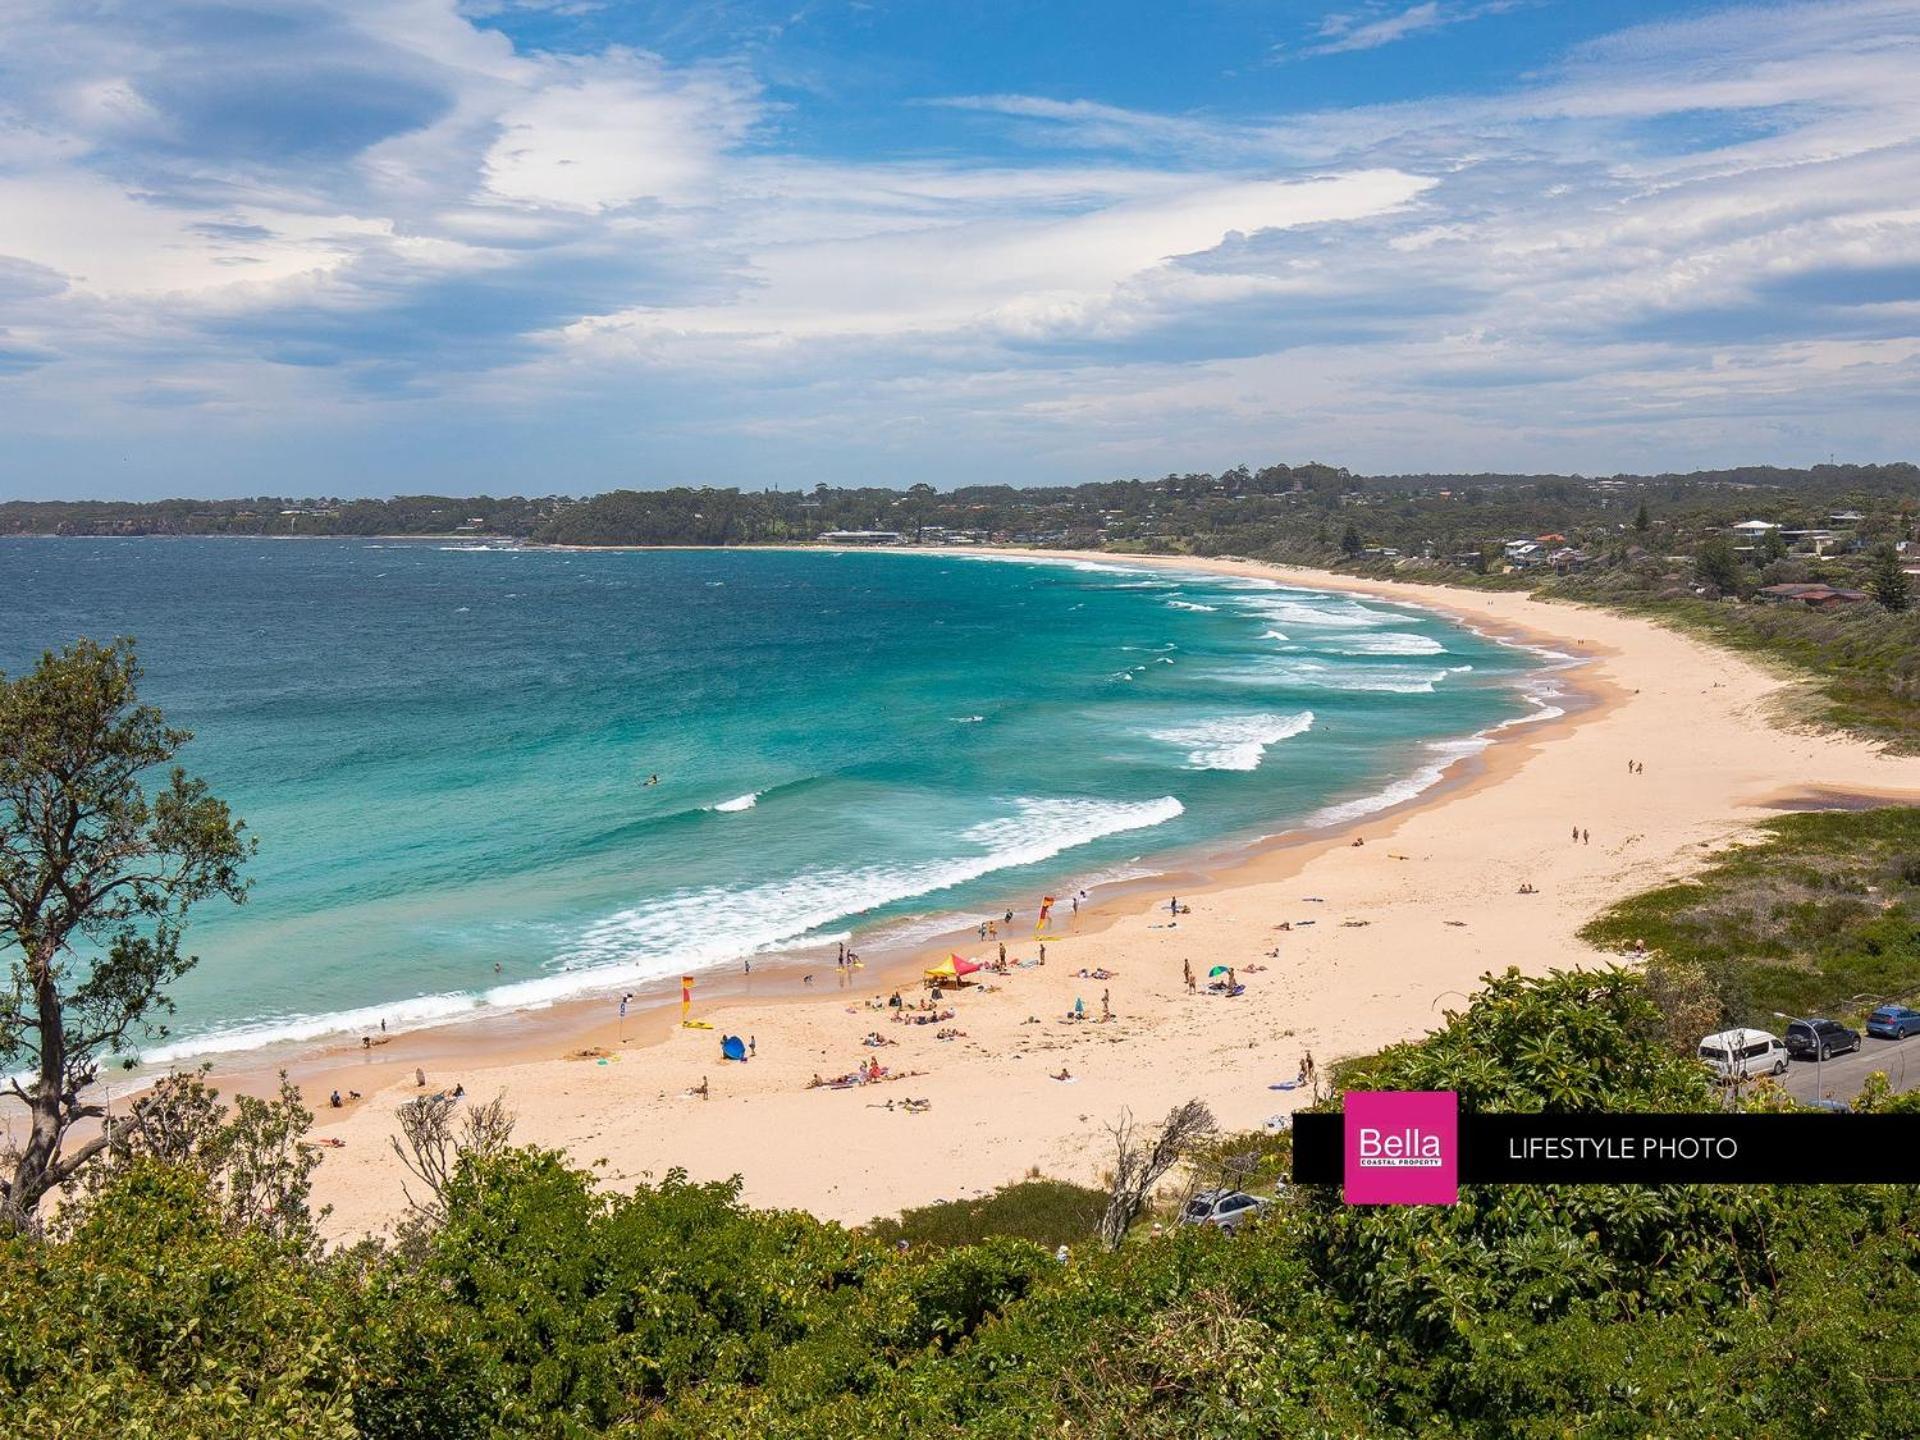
pixel 1893 1022
pixel 1743 1054
pixel 1229 1209
pixel 1820 1039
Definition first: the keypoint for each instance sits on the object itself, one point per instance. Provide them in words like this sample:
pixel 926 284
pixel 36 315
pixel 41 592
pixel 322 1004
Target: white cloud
pixel 604 133
pixel 1615 239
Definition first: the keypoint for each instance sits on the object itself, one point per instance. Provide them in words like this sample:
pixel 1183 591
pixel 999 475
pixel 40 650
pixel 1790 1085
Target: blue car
pixel 1893 1022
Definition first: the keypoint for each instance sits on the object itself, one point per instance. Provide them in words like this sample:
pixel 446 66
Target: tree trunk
pixel 35 1162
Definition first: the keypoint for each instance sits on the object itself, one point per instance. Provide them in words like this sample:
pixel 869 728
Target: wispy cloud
pixel 1344 31
pixel 1695 240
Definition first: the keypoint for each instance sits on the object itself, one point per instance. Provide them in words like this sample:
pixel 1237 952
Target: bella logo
pixel 1402 1147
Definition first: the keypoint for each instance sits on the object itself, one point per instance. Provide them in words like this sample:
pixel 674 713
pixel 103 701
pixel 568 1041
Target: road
pixel 1841 1077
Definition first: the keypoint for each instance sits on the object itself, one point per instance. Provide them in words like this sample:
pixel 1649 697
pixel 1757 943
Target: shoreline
pixel 1377 944
pixel 535 1027
pixel 494 1032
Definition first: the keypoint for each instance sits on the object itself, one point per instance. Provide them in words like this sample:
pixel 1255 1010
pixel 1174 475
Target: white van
pixel 1743 1054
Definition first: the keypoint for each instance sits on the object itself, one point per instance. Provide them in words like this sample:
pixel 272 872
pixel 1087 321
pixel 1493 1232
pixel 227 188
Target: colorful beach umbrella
pixel 1217 970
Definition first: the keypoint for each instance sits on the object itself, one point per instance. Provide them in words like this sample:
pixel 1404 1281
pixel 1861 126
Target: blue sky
pixel 367 246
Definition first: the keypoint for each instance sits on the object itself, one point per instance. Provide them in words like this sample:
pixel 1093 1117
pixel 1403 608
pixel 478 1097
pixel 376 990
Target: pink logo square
pixel 1402 1147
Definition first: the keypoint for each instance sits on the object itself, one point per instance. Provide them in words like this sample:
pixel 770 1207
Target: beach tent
pixel 732 1047
pixel 951 971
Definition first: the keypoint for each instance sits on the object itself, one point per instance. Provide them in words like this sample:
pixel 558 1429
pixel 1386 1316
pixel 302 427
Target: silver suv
pixel 1229 1209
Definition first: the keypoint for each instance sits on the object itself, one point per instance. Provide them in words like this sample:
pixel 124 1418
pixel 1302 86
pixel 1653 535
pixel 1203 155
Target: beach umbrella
pixel 1217 970
pixel 961 967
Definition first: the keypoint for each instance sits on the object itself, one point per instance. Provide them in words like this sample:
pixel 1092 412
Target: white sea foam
pixel 739 802
pixel 1445 753
pixel 1234 742
pixel 713 925
pixel 1191 605
pixel 1298 671
pixel 1389 642
pixel 1283 609
pixel 968 719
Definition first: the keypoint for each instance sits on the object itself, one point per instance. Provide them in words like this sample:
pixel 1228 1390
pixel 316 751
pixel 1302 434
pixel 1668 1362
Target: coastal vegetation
pixel 539 1304
pixel 97 876
pixel 1701 550
pixel 1817 914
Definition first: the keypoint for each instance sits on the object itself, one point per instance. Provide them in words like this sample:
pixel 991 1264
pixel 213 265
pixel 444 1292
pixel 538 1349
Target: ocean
pixel 445 750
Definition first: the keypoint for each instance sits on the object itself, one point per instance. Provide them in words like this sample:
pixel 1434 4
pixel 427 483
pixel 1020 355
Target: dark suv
pixel 1820 1039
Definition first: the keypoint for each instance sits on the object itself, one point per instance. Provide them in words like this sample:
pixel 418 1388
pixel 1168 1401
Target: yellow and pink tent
pixel 951 971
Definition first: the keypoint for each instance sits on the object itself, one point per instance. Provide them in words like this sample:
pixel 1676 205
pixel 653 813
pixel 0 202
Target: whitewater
pixel 487 778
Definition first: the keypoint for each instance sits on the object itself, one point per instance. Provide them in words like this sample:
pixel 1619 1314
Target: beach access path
pixel 1384 937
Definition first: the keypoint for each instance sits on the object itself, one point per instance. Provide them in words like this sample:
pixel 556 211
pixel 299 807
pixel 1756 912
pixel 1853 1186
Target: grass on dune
pixel 1819 914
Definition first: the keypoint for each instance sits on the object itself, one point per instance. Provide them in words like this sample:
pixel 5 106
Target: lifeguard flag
pixel 686 995
pixel 1046 912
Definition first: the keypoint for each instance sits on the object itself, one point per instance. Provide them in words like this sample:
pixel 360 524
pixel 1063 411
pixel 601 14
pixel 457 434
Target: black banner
pixel 1732 1149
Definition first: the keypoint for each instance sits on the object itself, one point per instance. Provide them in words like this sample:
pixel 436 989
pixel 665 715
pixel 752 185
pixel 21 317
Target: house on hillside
pixel 1753 529
pixel 1566 561
pixel 1813 597
pixel 860 537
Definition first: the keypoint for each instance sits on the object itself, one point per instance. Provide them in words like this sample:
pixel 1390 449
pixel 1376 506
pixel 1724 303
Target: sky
pixel 347 247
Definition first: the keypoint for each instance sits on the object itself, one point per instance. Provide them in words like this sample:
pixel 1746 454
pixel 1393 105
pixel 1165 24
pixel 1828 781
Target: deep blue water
pixel 444 750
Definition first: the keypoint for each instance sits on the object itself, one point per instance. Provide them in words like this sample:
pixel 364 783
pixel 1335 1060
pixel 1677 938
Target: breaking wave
pixel 1234 742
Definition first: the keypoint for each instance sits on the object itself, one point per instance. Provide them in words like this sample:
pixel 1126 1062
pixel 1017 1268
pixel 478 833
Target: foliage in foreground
pixel 542 1306
pixel 1819 913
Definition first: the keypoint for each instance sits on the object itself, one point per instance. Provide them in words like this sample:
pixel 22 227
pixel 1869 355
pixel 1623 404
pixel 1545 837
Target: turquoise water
pixel 444 750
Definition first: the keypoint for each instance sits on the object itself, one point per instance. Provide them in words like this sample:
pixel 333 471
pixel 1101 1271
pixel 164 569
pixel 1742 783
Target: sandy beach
pixel 1384 936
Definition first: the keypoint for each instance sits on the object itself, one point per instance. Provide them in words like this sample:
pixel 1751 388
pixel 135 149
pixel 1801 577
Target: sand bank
pixel 1385 935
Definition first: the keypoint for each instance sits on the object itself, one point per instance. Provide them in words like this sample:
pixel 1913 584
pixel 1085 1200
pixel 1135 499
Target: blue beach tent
pixel 732 1047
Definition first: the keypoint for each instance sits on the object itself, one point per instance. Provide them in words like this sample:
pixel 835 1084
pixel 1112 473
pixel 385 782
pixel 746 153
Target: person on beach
pixel 419 1078
pixel 1186 972
pixel 702 1090
pixel 1233 981
pixel 746 967
pixel 1173 904
pixel 753 1048
pixel 1586 837
pixel 1576 834
pixel 1043 954
pixel 806 979
pixel 1106 1007
pixel 334 1100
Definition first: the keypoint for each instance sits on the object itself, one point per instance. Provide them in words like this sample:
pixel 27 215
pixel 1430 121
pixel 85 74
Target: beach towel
pixel 1285 1085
